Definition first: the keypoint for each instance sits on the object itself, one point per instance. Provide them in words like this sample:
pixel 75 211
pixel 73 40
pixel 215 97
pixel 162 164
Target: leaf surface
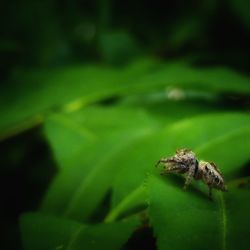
pixel 89 166
pixel 41 91
pixel 213 136
pixel 188 219
pixel 41 231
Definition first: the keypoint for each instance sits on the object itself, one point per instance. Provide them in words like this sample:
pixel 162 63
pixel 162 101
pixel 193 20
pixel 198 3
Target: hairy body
pixel 185 161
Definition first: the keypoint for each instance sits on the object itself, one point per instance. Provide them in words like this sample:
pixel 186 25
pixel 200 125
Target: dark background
pixel 56 33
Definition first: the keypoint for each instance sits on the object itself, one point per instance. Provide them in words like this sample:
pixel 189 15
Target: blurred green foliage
pixel 93 93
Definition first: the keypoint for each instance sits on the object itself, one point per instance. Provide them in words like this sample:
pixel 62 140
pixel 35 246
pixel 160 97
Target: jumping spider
pixel 185 161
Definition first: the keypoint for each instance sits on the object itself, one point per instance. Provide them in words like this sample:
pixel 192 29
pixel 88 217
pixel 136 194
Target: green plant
pixel 106 189
pixel 93 93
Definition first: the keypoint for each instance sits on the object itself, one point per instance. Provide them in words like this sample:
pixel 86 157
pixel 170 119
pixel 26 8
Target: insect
pixel 185 161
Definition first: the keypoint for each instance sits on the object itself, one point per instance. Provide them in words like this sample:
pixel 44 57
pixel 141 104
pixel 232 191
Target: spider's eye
pixel 217 179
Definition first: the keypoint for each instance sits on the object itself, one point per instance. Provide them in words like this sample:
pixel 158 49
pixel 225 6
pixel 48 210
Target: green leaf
pixel 103 121
pixel 68 138
pixel 136 198
pixel 227 151
pixel 188 219
pixel 88 167
pixel 212 136
pixel 218 80
pixel 39 91
pixel 164 109
pixel 96 184
pixel 41 231
pixel 105 236
pixel 183 219
pixel 76 140
pixel 236 215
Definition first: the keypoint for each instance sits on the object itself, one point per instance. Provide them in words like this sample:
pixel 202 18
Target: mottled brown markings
pixel 185 161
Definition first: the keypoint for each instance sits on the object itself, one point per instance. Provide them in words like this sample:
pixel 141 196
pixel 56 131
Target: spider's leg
pixel 210 192
pixel 190 176
pixel 163 160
